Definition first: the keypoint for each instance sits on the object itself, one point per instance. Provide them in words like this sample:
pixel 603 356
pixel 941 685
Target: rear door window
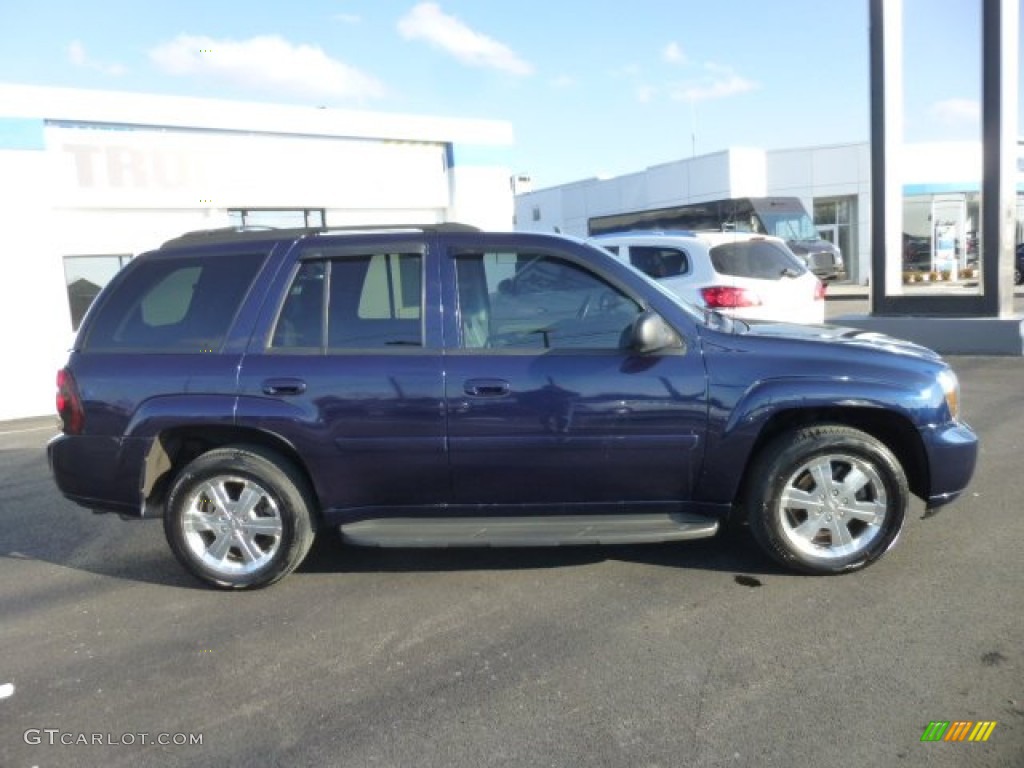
pixel 373 301
pixel 184 304
pixel 657 262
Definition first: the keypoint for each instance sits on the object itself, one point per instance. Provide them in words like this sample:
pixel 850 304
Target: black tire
pixel 239 517
pixel 826 499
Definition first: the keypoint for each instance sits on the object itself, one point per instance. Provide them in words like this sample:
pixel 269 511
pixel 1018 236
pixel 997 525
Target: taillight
pixel 819 291
pixel 69 404
pixel 729 297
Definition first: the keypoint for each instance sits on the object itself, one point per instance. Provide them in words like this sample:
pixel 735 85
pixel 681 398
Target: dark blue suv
pixel 439 386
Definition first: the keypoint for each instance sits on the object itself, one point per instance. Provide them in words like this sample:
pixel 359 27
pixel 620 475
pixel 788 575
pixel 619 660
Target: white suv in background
pixel 753 277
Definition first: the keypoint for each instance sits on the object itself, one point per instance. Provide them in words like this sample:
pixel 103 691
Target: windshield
pixel 783 217
pixel 789 225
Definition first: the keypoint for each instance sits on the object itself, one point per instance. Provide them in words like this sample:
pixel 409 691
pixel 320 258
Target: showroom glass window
pixel 277 218
pixel 85 276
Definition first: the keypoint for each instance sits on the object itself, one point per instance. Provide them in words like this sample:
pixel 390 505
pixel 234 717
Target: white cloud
pixel 957 111
pixel 348 18
pixel 562 82
pixel 645 93
pixel 267 63
pixel 673 53
pixel 78 56
pixel 426 21
pixel 719 83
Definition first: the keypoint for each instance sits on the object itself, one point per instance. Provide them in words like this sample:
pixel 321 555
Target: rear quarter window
pixel 179 305
pixel 759 259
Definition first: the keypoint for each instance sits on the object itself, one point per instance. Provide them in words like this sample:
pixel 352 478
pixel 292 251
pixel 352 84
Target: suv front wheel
pixel 827 499
pixel 239 517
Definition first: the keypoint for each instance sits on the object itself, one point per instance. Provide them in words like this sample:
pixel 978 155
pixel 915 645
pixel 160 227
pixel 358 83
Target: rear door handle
pixel 284 387
pixel 486 387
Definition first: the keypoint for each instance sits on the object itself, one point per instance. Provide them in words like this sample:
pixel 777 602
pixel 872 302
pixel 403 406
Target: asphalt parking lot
pixel 693 654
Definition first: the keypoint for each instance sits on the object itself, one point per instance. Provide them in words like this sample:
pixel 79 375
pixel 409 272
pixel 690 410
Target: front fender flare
pixel 743 424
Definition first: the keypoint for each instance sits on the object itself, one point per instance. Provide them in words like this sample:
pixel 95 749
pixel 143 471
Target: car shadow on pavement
pixel 137 551
pixel 732 551
pixel 159 568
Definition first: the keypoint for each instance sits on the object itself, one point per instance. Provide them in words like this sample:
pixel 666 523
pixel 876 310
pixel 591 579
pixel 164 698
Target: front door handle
pixel 486 387
pixel 284 387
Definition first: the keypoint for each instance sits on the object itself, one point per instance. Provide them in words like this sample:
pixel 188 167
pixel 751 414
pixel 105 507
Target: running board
pixel 533 531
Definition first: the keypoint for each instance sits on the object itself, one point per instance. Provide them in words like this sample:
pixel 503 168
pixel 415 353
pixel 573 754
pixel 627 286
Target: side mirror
pixel 652 334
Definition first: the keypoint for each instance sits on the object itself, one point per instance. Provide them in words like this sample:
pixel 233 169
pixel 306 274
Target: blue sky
pixel 592 88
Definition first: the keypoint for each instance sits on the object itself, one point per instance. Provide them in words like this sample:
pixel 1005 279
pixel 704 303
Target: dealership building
pixel 90 179
pixel 942 183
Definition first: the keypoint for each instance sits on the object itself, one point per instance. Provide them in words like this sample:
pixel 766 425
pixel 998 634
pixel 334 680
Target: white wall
pixel 748 175
pixel 35 320
pixel 482 196
pixel 946 163
pixel 835 171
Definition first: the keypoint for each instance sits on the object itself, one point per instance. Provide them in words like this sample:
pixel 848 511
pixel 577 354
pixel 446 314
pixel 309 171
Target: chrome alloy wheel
pixel 232 525
pixel 832 507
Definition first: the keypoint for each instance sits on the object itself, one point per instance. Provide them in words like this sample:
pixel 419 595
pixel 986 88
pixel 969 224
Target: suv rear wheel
pixel 827 499
pixel 239 517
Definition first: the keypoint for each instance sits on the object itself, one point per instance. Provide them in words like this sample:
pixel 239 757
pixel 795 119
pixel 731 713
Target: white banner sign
pixel 145 168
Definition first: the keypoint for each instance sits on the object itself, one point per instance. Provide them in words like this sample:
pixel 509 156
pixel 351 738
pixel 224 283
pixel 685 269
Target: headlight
pixel 951 390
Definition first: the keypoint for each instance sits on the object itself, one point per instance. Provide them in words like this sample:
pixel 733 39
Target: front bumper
pixel 952 455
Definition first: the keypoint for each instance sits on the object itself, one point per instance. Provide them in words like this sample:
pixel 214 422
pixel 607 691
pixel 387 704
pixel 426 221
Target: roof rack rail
pixel 235 234
pixel 444 226
pixel 247 233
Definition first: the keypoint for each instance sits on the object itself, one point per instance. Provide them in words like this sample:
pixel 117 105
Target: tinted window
pixel 521 300
pixel 391 288
pixel 301 322
pixel 756 258
pixel 373 301
pixel 174 305
pixel 170 299
pixel 658 262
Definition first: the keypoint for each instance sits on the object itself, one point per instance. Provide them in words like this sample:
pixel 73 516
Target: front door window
pixel 512 300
